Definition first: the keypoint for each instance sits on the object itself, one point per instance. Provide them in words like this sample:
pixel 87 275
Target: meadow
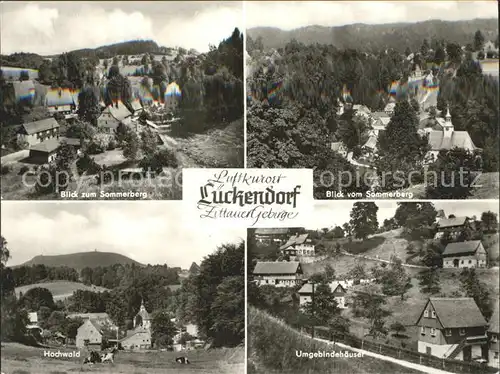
pixel 60 289
pixel 20 359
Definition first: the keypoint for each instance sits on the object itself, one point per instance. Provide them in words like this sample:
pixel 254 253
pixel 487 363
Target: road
pixel 411 365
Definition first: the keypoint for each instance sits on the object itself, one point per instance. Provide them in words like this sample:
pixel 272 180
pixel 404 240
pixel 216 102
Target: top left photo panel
pixel 112 100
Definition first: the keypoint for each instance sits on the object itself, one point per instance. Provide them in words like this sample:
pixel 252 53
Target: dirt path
pixel 411 365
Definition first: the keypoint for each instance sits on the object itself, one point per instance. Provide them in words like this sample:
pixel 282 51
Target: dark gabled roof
pixel 457 312
pixel 42 125
pixel 277 267
pixel 494 321
pixel 451 222
pixel 307 288
pixel 48 146
pixel 458 139
pixel 461 248
pixel 270 231
pixel 294 240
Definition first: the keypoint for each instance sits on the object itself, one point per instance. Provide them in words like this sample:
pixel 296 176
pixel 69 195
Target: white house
pixel 469 254
pixel 339 292
pixel 278 274
pixel 298 246
pixel 493 335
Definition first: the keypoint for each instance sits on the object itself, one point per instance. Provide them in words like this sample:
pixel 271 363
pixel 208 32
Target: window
pixel 462 331
pixel 470 261
pixel 422 330
pixel 426 313
pixel 447 332
pixel 494 338
pixel 433 314
pixel 433 332
pixel 496 354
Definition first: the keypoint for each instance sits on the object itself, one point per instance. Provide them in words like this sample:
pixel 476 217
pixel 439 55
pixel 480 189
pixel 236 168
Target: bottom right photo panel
pixel 376 287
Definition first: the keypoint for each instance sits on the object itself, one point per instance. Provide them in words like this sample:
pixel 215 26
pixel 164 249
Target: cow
pixel 93 358
pixel 110 356
pixel 182 360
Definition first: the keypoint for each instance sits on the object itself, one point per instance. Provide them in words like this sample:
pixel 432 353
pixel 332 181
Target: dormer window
pixel 447 332
pixel 426 313
pixel 422 330
pixel 433 315
pixel 462 332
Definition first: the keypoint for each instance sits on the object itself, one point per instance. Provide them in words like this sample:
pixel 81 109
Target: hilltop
pixel 377 37
pixel 82 260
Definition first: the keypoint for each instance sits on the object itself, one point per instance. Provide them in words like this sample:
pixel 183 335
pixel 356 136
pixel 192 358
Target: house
pixel 89 334
pixel 297 246
pixel 38 131
pixel 112 116
pixel 44 152
pixel 447 139
pixel 380 120
pixel 370 145
pixel 60 100
pixel 338 290
pixel 101 319
pixel 136 107
pixel 489 46
pixel 453 225
pixel 172 96
pixel 278 274
pixel 469 254
pixel 452 328
pixel 139 338
pixel 389 108
pixel 271 236
pixel 493 335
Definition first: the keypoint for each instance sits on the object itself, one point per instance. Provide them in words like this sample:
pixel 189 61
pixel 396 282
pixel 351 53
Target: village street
pixel 422 368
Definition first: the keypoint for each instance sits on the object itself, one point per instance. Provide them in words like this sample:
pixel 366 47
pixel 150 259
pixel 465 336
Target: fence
pixel 407 355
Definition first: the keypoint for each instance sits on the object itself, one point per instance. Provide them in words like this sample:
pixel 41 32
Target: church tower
pixel 142 318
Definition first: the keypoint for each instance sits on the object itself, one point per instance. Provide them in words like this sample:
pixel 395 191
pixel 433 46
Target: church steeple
pixel 448 115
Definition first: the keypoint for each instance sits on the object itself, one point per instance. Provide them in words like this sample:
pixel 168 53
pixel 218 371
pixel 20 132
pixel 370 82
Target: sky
pixel 336 213
pixel 296 14
pixel 148 232
pixel 49 28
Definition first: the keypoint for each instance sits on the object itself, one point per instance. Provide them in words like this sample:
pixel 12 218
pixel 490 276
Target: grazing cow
pixel 110 356
pixel 182 360
pixel 93 358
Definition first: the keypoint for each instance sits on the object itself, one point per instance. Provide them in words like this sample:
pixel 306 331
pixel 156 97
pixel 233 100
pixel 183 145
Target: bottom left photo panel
pixel 119 287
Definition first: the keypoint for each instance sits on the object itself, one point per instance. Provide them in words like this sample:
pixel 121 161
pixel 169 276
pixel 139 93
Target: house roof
pixel 291 267
pixel 294 240
pixel 337 146
pixel 457 312
pixel 93 316
pixel 494 321
pixel 458 139
pixel 24 90
pixel 48 146
pixel 96 325
pixel 118 111
pixel 42 125
pixel 371 142
pixel 143 313
pixel 136 105
pixel 461 248
pixel 307 288
pixel 451 222
pixel 271 231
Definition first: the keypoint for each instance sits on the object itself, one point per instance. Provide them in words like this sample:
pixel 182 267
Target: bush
pixel 480 55
pixel 6 169
pixel 24 169
pixel 87 164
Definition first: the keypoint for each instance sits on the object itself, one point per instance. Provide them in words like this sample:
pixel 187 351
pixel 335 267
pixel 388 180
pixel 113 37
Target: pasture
pixel 60 289
pixel 20 359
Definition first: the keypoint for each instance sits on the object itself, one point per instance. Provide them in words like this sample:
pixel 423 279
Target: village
pixel 104 123
pixel 409 305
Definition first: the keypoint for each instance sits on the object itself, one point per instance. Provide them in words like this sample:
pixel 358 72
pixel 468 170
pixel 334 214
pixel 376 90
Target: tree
pixel 149 143
pixel 37 297
pixel 454 52
pixel 424 49
pixel 88 106
pixel 163 329
pixel 478 290
pixel 414 104
pixel 338 327
pixel 364 219
pixel 478 41
pixel 370 306
pixel 489 221
pixel 415 215
pixel 130 146
pixel 357 272
pixel 439 55
pixel 338 232
pixel 429 281
pixel 347 229
pixel 351 130
pixel 398 328
pixel 81 130
pixel 395 280
pixel 329 273
pixel 323 305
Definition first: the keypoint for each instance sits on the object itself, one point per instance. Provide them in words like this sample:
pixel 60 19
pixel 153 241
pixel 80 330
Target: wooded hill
pixel 371 38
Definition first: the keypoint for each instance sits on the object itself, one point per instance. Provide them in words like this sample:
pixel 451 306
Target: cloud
pixel 329 13
pixel 52 28
pixel 146 232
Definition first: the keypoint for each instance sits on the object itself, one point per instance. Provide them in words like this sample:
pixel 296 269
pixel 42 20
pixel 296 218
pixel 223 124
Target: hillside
pixel 133 47
pixel 81 260
pixel 273 345
pixel 60 289
pixel 376 37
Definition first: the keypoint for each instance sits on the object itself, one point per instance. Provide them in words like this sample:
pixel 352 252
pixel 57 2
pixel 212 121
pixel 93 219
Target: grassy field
pixel 272 348
pixel 60 289
pixel 19 359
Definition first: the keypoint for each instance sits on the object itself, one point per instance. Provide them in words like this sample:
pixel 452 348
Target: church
pixel 140 336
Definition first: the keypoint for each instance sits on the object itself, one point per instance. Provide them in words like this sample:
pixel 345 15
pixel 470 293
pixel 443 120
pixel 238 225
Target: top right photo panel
pixel 383 100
